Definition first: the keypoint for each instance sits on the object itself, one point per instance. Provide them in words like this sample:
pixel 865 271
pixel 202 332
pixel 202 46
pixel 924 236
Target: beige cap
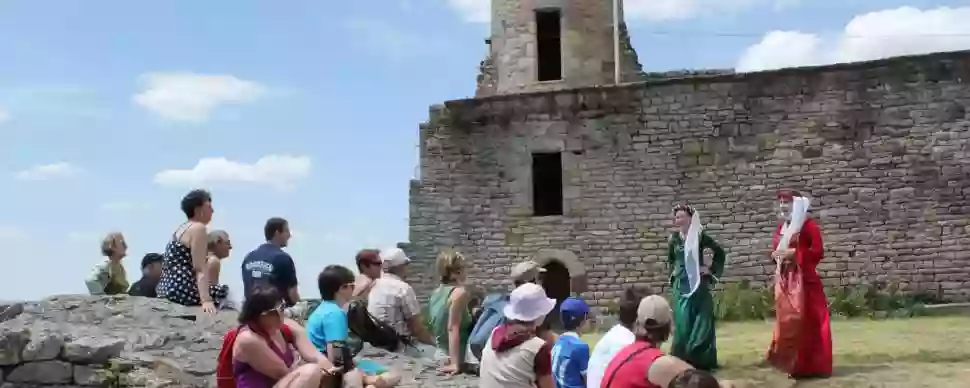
pixel 526 270
pixel 656 308
pixel 393 257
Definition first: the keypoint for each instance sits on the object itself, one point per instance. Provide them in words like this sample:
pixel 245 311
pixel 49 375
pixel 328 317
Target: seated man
pixel 392 301
pixel 369 265
pixel 328 331
pixel 151 271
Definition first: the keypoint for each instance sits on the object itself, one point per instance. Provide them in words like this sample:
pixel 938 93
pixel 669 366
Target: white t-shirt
pixel 616 339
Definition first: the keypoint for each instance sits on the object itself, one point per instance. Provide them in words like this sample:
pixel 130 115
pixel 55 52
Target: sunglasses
pixel 278 310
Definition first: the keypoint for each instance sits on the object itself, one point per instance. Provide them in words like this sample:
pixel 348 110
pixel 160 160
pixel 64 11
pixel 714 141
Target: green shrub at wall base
pixel 878 300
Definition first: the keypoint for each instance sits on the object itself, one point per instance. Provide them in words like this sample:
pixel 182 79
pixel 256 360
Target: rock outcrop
pixel 121 341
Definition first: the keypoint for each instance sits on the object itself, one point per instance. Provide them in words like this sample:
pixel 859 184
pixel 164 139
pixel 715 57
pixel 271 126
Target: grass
pixel 911 353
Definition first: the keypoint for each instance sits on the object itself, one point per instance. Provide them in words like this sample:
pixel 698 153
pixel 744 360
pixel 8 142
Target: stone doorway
pixel 556 282
pixel 565 275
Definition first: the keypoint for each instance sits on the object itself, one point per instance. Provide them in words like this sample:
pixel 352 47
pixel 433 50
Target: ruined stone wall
pixel 883 148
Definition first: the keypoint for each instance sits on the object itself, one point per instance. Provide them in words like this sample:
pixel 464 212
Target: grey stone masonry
pixel 882 147
pixel 587 47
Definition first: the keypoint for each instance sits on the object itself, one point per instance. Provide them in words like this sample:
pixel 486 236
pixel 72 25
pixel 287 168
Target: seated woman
pixel 451 319
pixel 109 277
pixel 219 248
pixel 262 355
pixel 328 330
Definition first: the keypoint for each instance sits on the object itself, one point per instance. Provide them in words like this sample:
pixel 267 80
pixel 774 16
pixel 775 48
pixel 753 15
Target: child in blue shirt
pixel 327 325
pixel 570 355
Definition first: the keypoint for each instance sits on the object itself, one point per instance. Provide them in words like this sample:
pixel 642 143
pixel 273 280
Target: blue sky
pixel 313 107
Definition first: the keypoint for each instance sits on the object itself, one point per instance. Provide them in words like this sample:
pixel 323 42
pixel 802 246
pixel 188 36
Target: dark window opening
pixel 548 45
pixel 547 184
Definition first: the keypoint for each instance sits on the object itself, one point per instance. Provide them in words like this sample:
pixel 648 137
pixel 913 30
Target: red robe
pixel 802 341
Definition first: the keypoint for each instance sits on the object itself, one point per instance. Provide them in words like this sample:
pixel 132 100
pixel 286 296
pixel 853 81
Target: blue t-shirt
pixel 570 359
pixel 327 323
pixel 271 265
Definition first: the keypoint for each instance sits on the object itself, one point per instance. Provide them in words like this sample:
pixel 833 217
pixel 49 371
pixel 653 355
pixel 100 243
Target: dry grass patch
pixel 910 353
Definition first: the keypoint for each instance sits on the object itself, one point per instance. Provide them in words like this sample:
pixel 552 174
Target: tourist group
pixel 504 338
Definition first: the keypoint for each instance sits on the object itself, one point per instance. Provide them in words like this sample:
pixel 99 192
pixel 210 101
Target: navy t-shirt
pixel 269 264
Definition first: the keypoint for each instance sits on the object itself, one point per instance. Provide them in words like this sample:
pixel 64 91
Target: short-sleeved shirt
pixel 327 323
pixel 606 348
pixel 269 264
pixel 570 359
pixel 393 301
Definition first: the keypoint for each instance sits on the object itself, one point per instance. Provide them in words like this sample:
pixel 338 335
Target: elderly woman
pixel 109 277
pixel 184 272
pixel 448 307
pixel 219 247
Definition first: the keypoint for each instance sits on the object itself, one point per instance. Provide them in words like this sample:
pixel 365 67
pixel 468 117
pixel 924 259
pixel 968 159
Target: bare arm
pixel 213 266
pixel 198 245
pixel 412 310
pixel 255 352
pixel 665 369
pixel 456 311
pixel 307 351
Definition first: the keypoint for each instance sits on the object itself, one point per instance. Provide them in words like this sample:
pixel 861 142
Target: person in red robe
pixel 802 342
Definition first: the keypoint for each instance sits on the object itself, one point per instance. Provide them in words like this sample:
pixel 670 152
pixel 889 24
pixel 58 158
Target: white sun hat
pixel 528 303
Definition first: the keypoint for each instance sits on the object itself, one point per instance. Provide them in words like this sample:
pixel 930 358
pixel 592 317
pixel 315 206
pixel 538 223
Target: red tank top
pixel 628 369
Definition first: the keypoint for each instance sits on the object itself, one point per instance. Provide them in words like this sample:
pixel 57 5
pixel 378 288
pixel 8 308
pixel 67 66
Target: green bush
pixel 740 301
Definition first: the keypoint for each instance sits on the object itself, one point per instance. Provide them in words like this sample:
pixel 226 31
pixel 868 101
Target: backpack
pixel 371 330
pixel 224 373
pixel 492 316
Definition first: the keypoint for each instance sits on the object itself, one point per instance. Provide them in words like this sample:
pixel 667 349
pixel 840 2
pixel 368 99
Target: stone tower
pixel 538 45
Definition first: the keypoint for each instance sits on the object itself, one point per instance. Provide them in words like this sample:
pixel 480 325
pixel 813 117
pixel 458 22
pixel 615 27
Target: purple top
pixel 247 377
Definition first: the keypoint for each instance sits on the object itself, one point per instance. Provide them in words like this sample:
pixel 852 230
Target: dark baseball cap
pixel 150 259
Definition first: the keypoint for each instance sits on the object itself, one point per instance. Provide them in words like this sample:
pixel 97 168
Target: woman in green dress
pixel 448 307
pixel 691 280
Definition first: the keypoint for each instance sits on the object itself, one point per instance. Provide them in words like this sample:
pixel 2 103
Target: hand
pixel 208 307
pixel 331 371
pixel 450 369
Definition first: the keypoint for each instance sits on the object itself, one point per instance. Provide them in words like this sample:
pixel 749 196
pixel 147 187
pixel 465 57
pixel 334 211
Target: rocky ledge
pixel 121 341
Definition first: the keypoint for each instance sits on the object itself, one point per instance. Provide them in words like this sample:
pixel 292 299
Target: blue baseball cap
pixel 573 309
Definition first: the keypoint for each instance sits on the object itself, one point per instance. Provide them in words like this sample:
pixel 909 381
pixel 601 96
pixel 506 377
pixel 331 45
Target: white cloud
pixel 193 97
pixel 4 115
pixel 278 171
pixel 874 35
pixel 780 49
pixel 472 11
pixel 49 171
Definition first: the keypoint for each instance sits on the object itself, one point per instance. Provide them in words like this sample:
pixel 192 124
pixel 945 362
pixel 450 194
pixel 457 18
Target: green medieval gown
pixel 694 339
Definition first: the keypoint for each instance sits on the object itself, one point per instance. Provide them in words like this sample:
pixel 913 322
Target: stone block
pixel 44 345
pixel 93 350
pixel 42 372
pixel 13 340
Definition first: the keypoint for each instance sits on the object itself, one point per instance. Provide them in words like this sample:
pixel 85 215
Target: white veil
pixel 692 253
pixel 799 212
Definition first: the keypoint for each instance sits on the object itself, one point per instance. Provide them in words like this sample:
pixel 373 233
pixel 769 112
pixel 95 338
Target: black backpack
pixel 371 330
